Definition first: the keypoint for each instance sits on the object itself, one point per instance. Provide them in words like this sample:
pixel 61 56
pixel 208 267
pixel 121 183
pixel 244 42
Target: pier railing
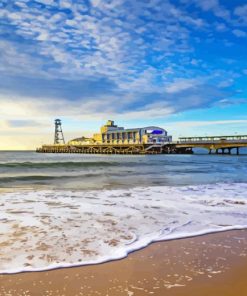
pixel 219 144
pixel 235 138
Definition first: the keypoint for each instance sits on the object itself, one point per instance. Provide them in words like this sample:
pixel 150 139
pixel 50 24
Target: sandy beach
pixel 214 264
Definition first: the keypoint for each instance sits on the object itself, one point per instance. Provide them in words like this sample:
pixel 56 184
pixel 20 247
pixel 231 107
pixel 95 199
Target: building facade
pixel 115 135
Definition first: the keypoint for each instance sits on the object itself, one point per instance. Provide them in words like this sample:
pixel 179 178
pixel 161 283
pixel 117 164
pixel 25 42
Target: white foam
pixel 42 230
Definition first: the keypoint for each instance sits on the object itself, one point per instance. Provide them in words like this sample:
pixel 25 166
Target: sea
pixel 64 210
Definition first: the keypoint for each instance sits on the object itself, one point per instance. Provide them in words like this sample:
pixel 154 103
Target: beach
pixel 214 264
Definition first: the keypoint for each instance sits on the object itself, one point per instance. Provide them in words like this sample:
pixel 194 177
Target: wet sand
pixel 214 264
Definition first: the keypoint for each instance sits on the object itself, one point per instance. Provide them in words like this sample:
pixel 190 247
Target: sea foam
pixel 48 229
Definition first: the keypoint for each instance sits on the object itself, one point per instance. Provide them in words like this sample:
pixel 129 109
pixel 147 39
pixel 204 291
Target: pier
pixel 113 139
pixel 114 149
pixel 214 144
pixel 185 145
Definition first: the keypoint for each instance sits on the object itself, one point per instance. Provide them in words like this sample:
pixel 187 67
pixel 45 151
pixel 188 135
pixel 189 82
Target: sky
pixel 177 64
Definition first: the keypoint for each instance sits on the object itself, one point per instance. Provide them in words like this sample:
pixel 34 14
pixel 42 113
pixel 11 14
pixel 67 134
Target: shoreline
pixel 217 262
pixel 78 265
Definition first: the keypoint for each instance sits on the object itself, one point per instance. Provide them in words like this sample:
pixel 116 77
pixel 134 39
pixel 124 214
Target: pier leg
pixel 229 150
pixel 217 151
pixel 237 150
pixel 210 151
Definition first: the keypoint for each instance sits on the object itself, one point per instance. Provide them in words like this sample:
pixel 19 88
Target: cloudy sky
pixel 178 64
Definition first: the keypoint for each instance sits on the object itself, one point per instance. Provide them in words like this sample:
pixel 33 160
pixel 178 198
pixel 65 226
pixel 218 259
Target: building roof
pixel 80 139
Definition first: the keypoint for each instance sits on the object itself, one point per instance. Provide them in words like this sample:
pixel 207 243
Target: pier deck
pixel 103 149
pixel 218 145
pixel 114 149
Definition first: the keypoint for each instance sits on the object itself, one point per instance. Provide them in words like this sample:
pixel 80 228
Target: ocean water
pixel 61 210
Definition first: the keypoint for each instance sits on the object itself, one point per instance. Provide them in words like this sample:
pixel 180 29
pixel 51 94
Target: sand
pixel 214 264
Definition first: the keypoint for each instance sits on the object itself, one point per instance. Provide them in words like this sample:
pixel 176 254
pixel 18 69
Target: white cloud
pixel 241 12
pixel 148 113
pixel 43 108
pixel 14 60
pixel 214 5
pixel 239 33
pixel 181 85
pixel 65 3
pixel 95 2
pixel 208 123
pixel 221 27
pixel 43 36
pixel 46 2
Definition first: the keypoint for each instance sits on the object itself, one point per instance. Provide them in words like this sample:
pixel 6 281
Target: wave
pixel 169 163
pixel 123 252
pixel 41 165
pixel 34 178
pixel 70 228
pixel 88 164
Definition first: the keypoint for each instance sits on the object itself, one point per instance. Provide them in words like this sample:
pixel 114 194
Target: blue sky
pixel 178 64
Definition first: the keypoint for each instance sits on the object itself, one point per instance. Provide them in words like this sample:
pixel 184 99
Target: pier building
pixel 110 133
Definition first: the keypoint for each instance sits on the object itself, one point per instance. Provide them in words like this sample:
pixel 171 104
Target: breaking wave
pixel 47 229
